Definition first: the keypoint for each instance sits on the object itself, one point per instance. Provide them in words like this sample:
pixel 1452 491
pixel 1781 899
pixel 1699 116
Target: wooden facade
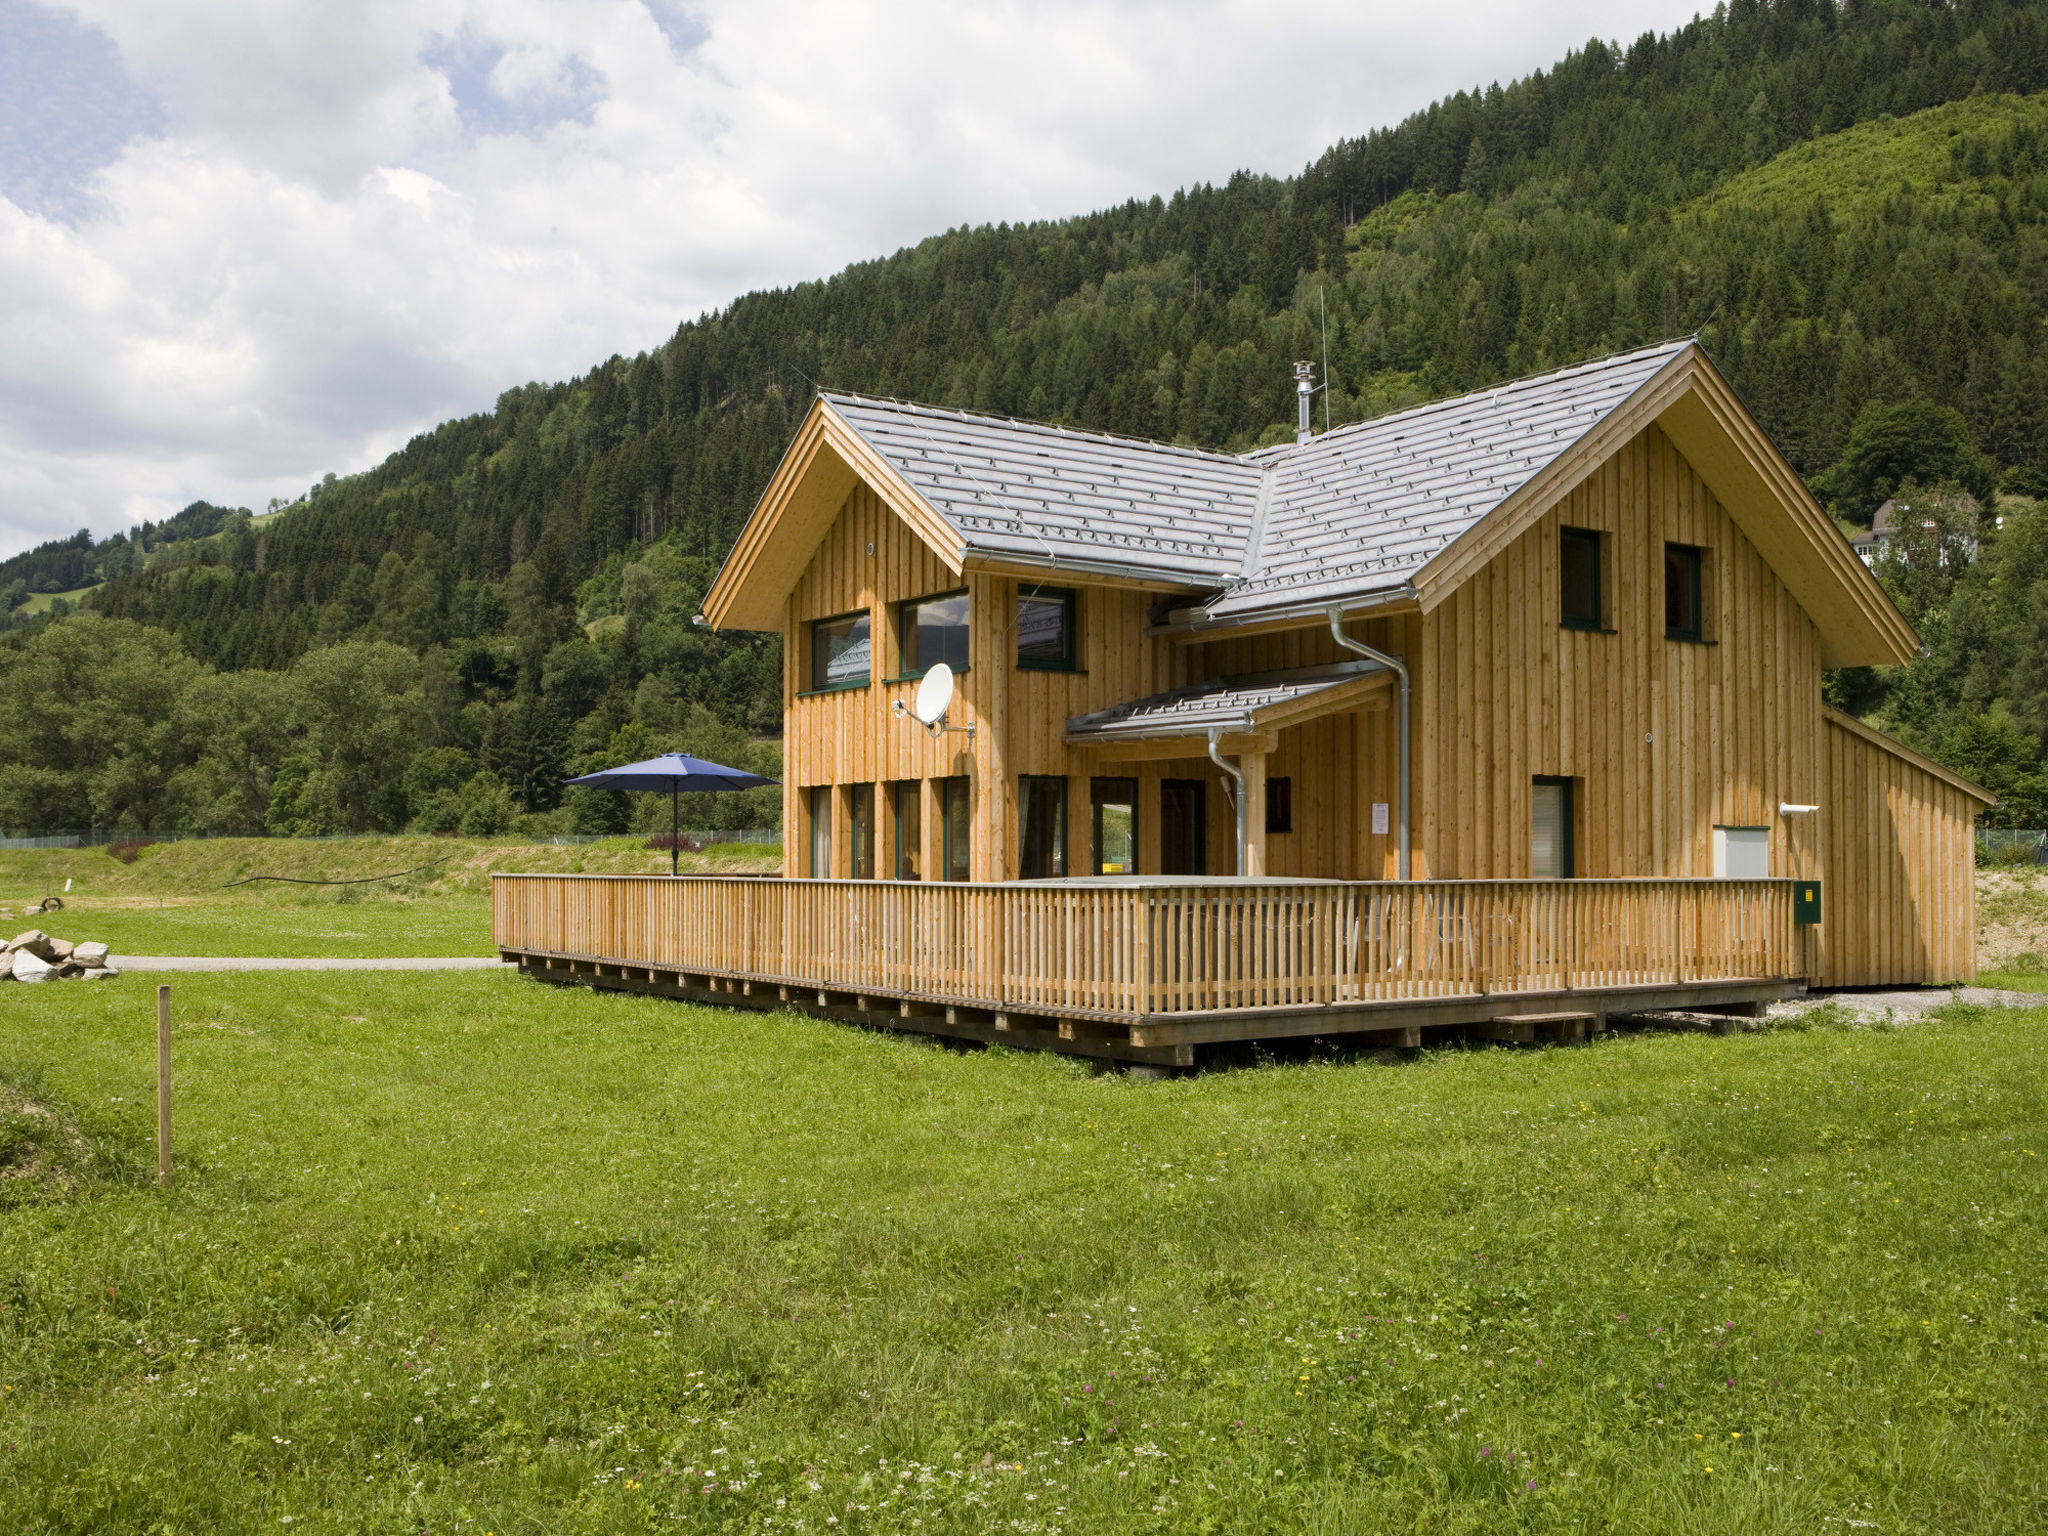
pixel 1681 742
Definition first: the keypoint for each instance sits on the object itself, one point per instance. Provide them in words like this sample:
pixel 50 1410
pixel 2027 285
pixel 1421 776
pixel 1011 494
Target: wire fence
pixel 2005 847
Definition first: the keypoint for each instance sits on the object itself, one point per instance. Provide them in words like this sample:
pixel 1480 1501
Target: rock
pixel 67 970
pixel 90 954
pixel 34 939
pixel 30 966
pixel 98 973
pixel 60 949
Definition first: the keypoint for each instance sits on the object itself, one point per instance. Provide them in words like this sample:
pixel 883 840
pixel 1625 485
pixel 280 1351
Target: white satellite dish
pixel 934 695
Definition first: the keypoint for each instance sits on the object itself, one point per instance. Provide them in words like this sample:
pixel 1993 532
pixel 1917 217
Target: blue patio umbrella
pixel 676 772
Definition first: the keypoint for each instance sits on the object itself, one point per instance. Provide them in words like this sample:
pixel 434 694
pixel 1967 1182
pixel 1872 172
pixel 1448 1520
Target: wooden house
pixel 1516 695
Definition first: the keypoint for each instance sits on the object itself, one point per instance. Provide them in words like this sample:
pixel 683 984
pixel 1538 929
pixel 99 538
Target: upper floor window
pixel 841 652
pixel 1682 607
pixel 1578 568
pixel 1046 638
pixel 934 629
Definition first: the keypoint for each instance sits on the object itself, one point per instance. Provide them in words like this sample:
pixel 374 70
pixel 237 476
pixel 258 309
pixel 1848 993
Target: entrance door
pixel 1183 827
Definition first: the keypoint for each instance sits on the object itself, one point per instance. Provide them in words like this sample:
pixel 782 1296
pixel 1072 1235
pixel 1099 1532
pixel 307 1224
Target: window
pixel 860 822
pixel 841 653
pixel 821 832
pixel 954 827
pixel 1580 603
pixel 909 829
pixel 1046 622
pixel 1742 853
pixel 1279 805
pixel 932 630
pixel 1113 809
pixel 1550 830
pixel 1183 827
pixel 1682 592
pixel 1042 840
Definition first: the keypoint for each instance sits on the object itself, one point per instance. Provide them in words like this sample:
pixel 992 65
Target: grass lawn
pixel 467 1253
pixel 175 899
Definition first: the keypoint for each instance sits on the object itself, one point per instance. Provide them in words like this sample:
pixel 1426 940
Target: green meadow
pixel 186 899
pixel 465 1253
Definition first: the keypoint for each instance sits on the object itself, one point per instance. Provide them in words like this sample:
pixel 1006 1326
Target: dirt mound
pixel 44 1155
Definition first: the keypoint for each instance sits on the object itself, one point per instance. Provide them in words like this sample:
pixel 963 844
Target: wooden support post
pixel 163 1085
pixel 1253 766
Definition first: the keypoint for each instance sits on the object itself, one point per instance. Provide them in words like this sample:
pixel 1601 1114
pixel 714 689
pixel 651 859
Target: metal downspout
pixel 1215 736
pixel 1400 670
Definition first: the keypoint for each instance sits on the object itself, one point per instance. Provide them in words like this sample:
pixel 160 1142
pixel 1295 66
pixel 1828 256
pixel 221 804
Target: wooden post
pixel 163 1085
pixel 1253 766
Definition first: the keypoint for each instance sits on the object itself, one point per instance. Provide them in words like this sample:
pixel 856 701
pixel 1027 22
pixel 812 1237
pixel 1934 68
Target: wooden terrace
pixel 1146 969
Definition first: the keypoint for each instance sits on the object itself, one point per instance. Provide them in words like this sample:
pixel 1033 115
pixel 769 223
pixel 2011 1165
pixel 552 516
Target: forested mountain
pixel 1847 202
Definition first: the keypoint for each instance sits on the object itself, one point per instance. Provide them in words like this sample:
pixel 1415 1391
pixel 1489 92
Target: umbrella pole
pixel 674 835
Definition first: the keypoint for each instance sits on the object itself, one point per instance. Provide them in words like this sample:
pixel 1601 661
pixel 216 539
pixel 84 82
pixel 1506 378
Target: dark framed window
pixel 842 652
pixel 909 829
pixel 1183 827
pixel 860 824
pixel 1682 569
pixel 1581 604
pixel 1042 830
pixel 1113 835
pixel 955 828
pixel 1551 829
pixel 931 630
pixel 821 832
pixel 1048 620
pixel 1279 805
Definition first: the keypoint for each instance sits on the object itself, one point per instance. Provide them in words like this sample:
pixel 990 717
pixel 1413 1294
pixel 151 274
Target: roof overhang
pixel 1695 407
pixel 822 466
pixel 1250 726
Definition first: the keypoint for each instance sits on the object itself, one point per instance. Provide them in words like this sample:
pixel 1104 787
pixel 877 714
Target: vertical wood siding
pixel 1665 739
pixel 1899 900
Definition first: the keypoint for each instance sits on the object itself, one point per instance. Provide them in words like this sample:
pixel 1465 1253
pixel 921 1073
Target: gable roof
pixel 1403 507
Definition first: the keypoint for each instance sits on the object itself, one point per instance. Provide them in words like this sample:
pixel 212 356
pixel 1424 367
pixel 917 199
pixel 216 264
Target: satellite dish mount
pixel 934 698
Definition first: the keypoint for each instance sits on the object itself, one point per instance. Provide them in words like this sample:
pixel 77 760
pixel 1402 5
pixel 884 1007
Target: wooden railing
pixel 1146 948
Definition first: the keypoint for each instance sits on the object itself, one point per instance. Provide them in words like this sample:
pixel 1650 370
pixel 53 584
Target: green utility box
pixel 1805 902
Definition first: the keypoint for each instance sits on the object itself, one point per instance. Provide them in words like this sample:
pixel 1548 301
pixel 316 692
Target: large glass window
pixel 1682 619
pixel 1042 838
pixel 860 823
pixel 842 652
pixel 1550 829
pixel 1113 808
pixel 934 629
pixel 1183 827
pixel 1578 568
pixel 956 824
pixel 1046 624
pixel 909 830
pixel 821 832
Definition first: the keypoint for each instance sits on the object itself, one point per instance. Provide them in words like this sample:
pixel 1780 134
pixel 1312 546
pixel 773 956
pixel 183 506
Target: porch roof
pixel 1238 705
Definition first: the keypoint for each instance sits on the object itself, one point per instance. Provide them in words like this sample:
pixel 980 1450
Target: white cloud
pixel 242 245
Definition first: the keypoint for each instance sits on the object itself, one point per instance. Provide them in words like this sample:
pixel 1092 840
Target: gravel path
pixel 252 963
pixel 1912 1002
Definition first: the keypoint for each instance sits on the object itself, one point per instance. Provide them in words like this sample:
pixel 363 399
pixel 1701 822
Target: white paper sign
pixel 1379 818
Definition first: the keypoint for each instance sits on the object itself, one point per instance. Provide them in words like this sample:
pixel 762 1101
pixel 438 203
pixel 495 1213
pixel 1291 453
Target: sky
pixel 246 243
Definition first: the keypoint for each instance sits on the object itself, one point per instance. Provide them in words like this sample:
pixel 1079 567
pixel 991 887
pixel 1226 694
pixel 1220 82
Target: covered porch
pixel 1147 969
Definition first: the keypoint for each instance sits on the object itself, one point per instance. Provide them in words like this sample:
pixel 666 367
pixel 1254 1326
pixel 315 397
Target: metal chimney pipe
pixel 1303 392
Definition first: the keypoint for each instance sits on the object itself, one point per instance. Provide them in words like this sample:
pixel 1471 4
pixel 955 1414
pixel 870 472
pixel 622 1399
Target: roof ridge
pixel 1489 392
pixel 1026 423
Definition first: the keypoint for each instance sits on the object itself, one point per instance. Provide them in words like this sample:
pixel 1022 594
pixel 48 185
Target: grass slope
pixel 471 1254
pixel 1858 169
